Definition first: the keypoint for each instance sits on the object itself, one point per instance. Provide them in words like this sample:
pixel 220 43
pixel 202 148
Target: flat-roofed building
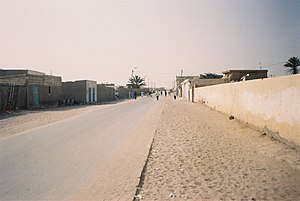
pixel 237 75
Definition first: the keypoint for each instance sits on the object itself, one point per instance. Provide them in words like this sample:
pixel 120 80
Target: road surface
pixel 61 159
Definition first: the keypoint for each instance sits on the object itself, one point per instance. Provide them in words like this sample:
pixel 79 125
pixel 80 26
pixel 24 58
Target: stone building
pixel 28 89
pixel 79 92
pixel 106 92
pixel 238 75
pixel 188 86
pixel 178 85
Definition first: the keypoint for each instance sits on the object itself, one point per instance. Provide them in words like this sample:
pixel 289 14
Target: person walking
pixel 157 95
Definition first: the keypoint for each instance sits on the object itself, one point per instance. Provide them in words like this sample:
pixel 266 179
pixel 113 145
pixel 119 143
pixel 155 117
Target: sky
pixel 108 40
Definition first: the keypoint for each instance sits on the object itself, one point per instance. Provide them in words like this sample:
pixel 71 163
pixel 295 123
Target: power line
pixel 155 73
pixel 273 64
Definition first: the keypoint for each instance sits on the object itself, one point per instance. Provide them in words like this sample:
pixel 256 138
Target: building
pixel 79 92
pixel 237 75
pixel 189 85
pixel 106 93
pixel 28 89
pixel 178 85
pixel 185 88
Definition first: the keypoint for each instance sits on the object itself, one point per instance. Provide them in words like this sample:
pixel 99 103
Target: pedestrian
pixel 157 95
pixel 134 94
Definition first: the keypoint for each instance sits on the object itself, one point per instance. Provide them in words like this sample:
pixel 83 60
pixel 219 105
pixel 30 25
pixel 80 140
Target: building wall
pixel 123 92
pixel 34 88
pixel 206 82
pixel 105 94
pixel 74 91
pixel 236 75
pixel 271 105
pixel 91 91
pixel 79 91
pixel 179 80
pixel 186 86
pixel 17 97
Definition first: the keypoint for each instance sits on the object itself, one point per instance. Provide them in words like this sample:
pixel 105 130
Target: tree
pixel 136 82
pixel 292 65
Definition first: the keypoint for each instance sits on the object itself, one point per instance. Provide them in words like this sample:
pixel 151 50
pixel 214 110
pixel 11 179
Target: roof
pixel 244 71
pixel 19 72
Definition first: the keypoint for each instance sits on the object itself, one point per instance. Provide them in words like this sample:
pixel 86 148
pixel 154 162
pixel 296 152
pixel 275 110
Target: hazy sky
pixel 104 40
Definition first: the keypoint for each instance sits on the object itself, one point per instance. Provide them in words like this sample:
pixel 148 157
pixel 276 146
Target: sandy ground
pixel 199 154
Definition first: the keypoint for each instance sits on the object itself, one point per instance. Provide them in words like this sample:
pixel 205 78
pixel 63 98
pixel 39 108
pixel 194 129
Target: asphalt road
pixel 57 160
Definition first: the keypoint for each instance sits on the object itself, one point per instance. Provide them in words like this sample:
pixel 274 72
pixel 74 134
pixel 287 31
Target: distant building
pixel 189 85
pixel 178 86
pixel 106 92
pixel 237 75
pixel 123 92
pixel 79 92
pixel 27 89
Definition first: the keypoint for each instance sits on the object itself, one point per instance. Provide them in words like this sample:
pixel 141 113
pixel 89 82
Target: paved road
pixel 57 160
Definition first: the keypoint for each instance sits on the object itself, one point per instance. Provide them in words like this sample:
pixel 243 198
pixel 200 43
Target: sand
pixel 199 154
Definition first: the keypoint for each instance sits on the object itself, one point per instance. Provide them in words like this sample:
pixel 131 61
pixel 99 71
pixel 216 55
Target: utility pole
pixel 181 72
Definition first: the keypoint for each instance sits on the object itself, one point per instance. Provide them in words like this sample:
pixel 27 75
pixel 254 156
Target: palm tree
pixel 136 82
pixel 292 65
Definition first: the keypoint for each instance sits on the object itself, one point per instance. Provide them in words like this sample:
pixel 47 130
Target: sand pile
pixel 199 154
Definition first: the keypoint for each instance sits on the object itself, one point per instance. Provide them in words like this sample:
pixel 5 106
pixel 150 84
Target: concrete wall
pixel 271 105
pixel 186 89
pixel 36 90
pixel 74 91
pixel 47 95
pixel 17 97
pixel 123 92
pixel 105 94
pixel 79 91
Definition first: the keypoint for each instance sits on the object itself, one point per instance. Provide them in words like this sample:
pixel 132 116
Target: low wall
pixel 272 105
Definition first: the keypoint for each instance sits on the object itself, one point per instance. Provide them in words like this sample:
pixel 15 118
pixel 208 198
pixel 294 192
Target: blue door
pixel 35 96
pixel 94 95
pixel 90 95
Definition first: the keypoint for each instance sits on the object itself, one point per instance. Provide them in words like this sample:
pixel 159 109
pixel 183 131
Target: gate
pixel 10 96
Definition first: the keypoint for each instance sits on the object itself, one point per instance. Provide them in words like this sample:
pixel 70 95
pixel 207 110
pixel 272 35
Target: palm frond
pixel 292 65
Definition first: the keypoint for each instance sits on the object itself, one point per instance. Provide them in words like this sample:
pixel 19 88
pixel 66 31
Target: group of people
pixel 160 93
pixel 133 94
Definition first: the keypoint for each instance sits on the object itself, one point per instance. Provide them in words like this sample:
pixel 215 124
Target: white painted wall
pixel 269 104
pixel 92 85
pixel 186 86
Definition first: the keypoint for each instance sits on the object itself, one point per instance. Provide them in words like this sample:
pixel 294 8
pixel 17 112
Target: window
pixel 49 90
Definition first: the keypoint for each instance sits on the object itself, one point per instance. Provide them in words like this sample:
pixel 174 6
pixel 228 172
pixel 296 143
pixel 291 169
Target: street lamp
pixel 133 71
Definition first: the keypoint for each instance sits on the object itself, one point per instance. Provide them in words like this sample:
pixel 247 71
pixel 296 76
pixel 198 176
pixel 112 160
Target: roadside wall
pixel 74 91
pixel 272 105
pixel 105 94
